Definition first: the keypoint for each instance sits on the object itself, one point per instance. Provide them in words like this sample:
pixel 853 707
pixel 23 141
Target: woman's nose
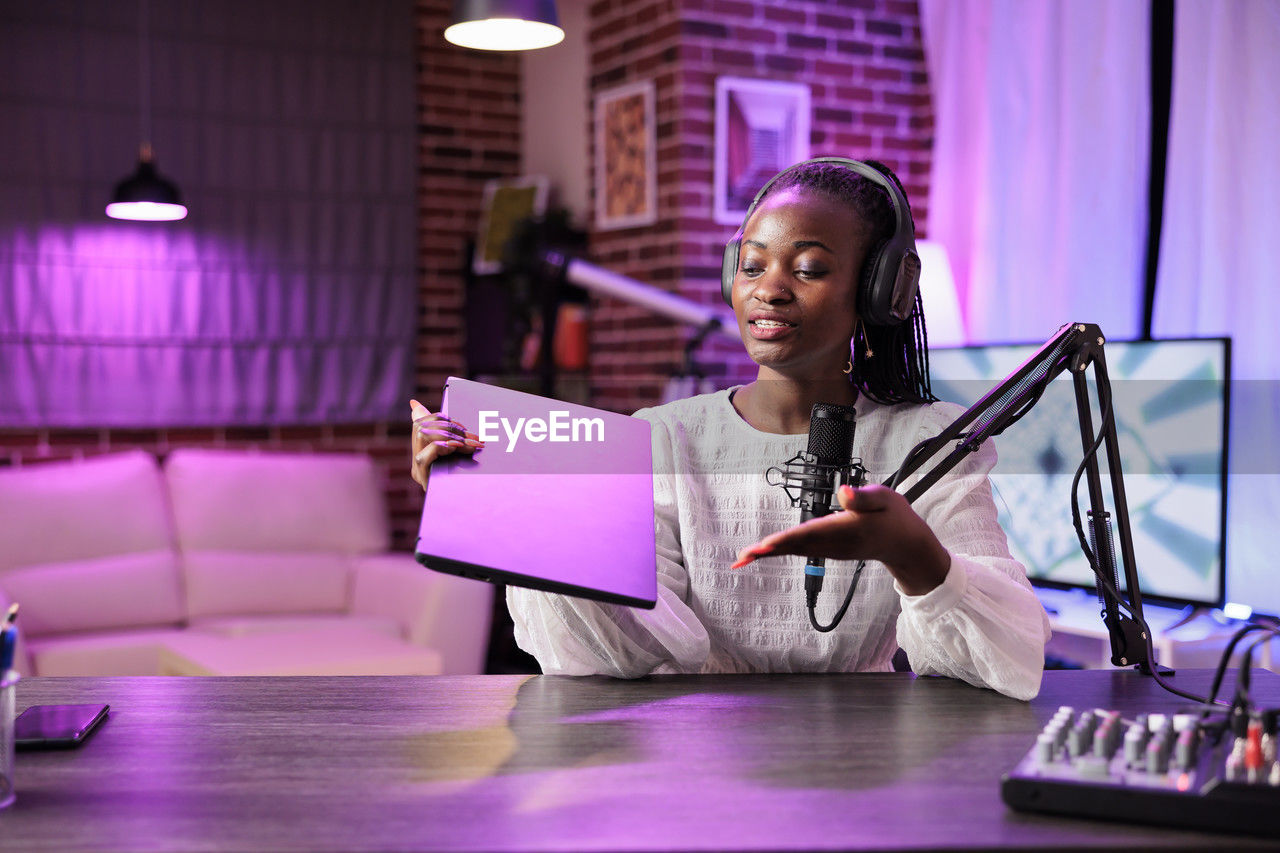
pixel 770 288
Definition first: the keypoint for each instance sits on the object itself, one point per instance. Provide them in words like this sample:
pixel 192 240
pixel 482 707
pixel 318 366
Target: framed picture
pixel 762 127
pixel 626 171
pixel 507 201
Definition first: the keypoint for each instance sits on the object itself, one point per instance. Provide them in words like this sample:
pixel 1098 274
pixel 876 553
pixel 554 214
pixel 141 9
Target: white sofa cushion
pixel 98 507
pixel 233 583
pixel 439 611
pixel 99 653
pixel 347 650
pixel 231 500
pixel 123 591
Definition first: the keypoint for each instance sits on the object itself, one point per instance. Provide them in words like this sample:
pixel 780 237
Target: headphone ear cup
pixel 729 268
pixel 868 291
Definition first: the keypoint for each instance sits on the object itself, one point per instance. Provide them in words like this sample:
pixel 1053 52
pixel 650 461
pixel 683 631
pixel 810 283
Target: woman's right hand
pixel 435 435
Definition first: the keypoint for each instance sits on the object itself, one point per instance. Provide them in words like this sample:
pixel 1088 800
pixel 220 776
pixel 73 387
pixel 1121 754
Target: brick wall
pixel 864 63
pixel 468 132
pixel 633 350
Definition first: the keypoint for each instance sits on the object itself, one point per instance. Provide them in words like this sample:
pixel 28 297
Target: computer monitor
pixel 1171 404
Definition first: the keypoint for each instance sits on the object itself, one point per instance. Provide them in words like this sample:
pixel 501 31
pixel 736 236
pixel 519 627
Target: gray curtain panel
pixel 288 293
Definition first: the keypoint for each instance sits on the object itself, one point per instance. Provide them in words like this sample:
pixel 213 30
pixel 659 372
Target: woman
pixel 939 580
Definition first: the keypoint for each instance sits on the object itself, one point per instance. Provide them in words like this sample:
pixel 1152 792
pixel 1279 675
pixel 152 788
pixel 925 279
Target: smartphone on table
pixel 56 726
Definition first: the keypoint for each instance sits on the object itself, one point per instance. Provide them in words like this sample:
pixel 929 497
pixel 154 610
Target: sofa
pixel 224 562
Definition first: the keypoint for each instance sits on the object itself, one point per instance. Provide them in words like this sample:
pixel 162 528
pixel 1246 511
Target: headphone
pixel 891 272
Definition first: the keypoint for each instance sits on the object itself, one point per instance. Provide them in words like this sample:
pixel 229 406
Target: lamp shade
pixel 504 24
pixel 938 293
pixel 146 195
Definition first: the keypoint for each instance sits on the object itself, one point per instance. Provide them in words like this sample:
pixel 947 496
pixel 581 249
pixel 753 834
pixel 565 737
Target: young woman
pixel 939 580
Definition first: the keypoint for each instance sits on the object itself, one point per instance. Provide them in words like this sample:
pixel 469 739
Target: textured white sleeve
pixel 575 636
pixel 983 624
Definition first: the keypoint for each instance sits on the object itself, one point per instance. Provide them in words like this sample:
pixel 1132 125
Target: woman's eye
pixel 752 270
pixel 815 272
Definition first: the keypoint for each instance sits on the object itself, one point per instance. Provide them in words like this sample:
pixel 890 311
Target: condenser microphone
pixel 817 473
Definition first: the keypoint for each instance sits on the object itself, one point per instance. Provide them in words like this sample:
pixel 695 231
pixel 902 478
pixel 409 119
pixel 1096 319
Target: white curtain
pixel 1219 270
pixel 1039 180
pixel 288 295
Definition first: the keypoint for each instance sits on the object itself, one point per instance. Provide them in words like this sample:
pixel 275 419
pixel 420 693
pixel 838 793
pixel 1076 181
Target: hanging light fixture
pixel 504 24
pixel 146 194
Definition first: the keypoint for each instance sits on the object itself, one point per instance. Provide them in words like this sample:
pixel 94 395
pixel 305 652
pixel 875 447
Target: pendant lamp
pixel 504 24
pixel 146 194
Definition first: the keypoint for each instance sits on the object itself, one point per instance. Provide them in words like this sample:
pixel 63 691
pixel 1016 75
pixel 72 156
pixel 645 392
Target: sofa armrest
pixel 441 612
pixel 21 660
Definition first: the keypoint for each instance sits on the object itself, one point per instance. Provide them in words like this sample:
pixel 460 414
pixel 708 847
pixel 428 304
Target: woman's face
pixel 794 293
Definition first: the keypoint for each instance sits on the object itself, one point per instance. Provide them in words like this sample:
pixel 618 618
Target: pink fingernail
pixel 751 555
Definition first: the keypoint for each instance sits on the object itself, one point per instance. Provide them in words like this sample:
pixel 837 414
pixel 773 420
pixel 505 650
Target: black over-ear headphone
pixel 891 271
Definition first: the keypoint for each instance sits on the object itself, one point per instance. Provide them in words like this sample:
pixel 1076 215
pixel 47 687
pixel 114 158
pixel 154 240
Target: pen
pixel 8 639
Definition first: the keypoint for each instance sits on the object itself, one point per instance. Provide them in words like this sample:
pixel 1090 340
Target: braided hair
pixel 890 363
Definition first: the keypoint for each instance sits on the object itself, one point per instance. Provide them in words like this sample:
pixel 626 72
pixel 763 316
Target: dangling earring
pixel 848 366
pixel 865 339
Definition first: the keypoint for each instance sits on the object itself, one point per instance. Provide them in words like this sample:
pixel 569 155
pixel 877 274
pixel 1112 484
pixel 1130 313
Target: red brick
pixel 908 144
pixel 805 41
pixel 728 8
pixel 907 99
pixel 879 119
pixel 883 28
pixel 855 47
pixel 789 64
pixel 755 36
pixel 834 24
pixel 910 53
pixel 783 14
pixel 827 68
pixel 879 73
pixel 854 94
pixel 733 58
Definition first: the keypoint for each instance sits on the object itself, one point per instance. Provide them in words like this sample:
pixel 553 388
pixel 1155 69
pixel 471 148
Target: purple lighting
pixel 147 211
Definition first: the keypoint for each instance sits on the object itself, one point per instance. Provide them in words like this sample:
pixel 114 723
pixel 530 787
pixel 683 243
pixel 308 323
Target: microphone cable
pixel 848 598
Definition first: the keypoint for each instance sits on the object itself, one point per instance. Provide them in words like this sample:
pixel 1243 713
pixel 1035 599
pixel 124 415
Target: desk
pixel 513 763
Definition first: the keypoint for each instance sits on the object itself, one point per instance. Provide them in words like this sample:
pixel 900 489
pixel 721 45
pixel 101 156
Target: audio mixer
pixel 1214 772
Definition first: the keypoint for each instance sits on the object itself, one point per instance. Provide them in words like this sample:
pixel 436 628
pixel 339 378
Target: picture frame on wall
pixel 626 163
pixel 762 127
pixel 507 202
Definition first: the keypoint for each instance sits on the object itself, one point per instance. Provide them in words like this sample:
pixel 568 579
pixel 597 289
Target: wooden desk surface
pixel 510 763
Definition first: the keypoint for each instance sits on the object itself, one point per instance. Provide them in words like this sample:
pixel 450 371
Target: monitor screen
pixel 1170 399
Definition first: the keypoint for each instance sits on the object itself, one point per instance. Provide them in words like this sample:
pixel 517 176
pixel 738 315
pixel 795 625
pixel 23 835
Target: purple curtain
pixel 288 294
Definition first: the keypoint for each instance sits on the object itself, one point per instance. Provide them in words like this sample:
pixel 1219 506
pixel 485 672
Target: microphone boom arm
pixel 1075 347
pixel 607 283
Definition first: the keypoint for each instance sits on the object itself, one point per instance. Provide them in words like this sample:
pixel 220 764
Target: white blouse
pixel 983 624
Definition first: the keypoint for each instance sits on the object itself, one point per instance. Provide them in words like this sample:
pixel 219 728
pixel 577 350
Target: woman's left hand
pixel 877 524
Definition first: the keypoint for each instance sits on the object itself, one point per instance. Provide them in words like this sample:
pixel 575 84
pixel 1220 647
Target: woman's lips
pixel 768 330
